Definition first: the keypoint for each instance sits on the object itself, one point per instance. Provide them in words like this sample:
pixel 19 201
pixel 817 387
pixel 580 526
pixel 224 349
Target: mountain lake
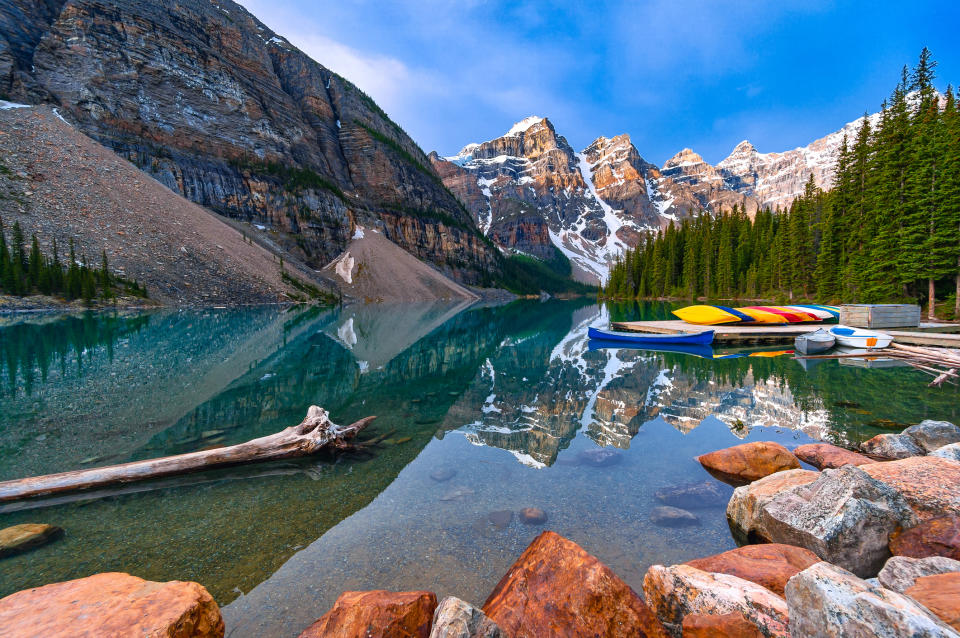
pixel 482 412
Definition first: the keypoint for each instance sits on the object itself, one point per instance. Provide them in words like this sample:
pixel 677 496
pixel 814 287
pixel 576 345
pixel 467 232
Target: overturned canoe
pixel 709 315
pixel 702 337
pixel 815 342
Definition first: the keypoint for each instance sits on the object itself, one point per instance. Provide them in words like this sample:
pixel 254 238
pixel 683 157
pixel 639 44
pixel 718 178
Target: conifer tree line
pixel 887 231
pixel 27 271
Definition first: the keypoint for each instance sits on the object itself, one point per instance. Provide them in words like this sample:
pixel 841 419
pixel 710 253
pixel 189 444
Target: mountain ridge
pixel 620 195
pixel 213 104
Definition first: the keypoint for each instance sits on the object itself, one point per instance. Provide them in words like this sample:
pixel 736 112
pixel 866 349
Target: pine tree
pixel 6 267
pixel 105 280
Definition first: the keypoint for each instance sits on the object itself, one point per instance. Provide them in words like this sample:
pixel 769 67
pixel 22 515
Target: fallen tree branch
pixel 945 376
pixel 315 432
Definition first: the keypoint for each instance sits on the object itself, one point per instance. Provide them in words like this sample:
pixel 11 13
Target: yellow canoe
pixel 704 315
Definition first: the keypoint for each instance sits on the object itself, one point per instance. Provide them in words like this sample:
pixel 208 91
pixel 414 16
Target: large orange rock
pixel 742 464
pixel 731 625
pixel 940 594
pixel 927 483
pixel 824 455
pixel 111 604
pixel 770 565
pixel 380 613
pixel 557 589
pixel 934 537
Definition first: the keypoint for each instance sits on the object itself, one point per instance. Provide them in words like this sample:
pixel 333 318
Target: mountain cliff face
pixel 538 196
pixel 776 179
pixel 528 189
pixel 213 104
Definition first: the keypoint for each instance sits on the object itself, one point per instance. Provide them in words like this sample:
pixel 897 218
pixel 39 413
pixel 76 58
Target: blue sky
pixel 671 73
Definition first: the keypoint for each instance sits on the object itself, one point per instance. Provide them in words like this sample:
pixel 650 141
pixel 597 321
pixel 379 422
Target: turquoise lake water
pixel 507 405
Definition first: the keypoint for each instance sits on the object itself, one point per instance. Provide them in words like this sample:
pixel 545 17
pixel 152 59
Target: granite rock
pixel 901 572
pixel 826 601
pixel 455 618
pixel 680 590
pixel 845 517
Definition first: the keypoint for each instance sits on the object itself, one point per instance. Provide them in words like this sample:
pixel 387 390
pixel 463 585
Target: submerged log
pixel 314 433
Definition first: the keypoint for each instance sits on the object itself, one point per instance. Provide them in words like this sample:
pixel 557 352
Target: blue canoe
pixel 702 338
pixel 694 349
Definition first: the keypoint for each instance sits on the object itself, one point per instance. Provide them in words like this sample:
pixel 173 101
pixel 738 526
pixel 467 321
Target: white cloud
pixel 388 80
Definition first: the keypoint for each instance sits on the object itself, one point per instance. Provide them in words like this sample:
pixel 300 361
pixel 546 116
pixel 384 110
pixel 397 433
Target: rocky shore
pixel 868 544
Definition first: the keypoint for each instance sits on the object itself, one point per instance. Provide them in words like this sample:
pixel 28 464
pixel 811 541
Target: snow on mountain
pixel 532 194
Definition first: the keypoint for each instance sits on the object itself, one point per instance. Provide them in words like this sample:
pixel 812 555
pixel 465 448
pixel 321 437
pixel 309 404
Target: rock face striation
pixel 213 104
pixel 63 186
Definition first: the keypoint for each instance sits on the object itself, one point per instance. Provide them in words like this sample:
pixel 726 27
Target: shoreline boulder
pixel 556 588
pixel 928 483
pixel 934 537
pixel 826 601
pixel 743 509
pixel 824 456
pixel 455 618
pixel 731 625
pixel 678 591
pixel 950 452
pixel 901 572
pixel 770 565
pixel 112 604
pixel 931 435
pixel 845 517
pixel 381 613
pixel 748 462
pixel 891 447
pixel 940 593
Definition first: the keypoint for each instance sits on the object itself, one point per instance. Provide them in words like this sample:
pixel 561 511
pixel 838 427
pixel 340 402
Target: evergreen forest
pixel 27 271
pixel 887 231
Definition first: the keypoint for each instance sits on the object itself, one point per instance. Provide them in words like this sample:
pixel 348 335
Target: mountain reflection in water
pixel 506 398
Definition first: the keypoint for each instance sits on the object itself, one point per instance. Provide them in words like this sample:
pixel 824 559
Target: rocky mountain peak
pixel 527 123
pixel 686 157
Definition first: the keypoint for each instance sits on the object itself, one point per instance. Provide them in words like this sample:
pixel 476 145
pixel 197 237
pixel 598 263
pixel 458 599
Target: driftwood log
pixel 314 433
pixel 941 363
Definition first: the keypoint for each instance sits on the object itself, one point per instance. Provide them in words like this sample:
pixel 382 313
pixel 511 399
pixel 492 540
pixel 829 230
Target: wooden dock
pixel 925 335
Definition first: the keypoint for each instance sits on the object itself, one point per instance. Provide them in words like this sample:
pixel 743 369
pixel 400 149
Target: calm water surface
pixel 506 404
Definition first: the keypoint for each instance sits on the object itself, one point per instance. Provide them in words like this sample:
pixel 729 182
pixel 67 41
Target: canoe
pixel 702 337
pixel 815 342
pixel 710 315
pixel 860 337
pixel 704 351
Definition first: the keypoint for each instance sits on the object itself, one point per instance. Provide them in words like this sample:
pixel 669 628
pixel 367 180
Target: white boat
pixel 860 337
pixel 815 342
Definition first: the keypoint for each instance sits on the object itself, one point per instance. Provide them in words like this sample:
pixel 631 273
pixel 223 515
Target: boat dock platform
pixel 927 334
